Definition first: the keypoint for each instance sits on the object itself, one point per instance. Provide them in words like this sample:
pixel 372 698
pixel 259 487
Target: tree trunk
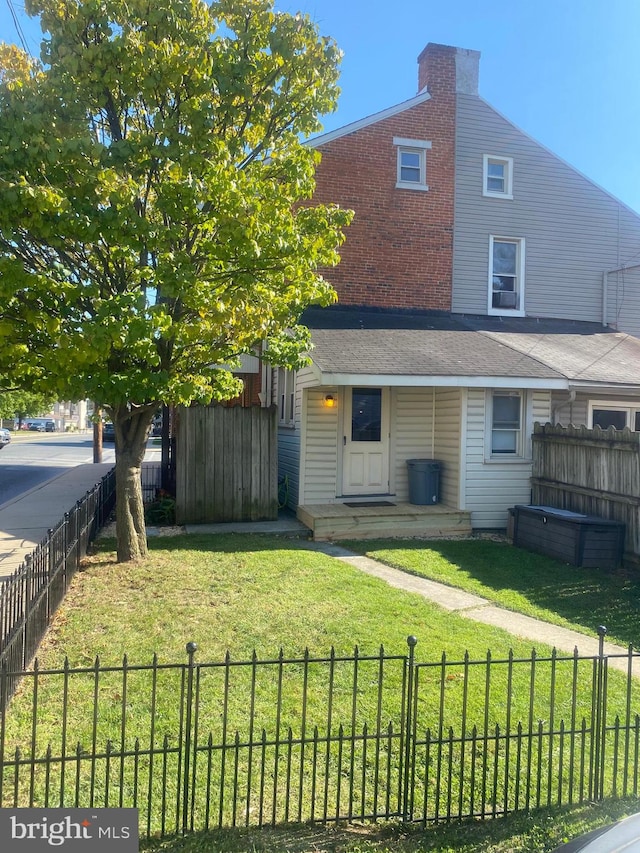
pixel 131 433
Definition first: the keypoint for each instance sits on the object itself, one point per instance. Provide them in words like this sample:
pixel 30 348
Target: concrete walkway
pixel 479 609
pixel 24 522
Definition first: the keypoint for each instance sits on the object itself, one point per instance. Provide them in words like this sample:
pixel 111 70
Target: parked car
pixel 108 431
pixel 49 426
pixel 5 438
pixel 36 426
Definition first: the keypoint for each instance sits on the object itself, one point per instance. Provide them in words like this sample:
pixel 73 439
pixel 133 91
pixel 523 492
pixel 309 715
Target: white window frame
pixel 519 277
pixel 507 162
pixel 625 406
pixel 412 146
pixel 286 397
pixel 522 452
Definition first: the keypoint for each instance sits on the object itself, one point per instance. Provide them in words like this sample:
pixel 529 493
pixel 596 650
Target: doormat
pixel 356 504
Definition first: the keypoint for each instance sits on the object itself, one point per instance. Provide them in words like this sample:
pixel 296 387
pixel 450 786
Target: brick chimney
pixel 448 70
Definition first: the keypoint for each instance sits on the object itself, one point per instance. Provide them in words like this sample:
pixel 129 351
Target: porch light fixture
pixel 329 401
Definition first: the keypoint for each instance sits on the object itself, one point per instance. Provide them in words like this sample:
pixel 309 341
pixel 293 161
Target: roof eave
pixel 442 381
pixel 604 387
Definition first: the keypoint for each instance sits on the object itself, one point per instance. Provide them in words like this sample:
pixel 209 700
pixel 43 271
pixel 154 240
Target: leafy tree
pixel 156 216
pixel 22 404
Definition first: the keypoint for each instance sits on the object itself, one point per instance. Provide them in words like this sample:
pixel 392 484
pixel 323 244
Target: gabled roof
pixel 368 346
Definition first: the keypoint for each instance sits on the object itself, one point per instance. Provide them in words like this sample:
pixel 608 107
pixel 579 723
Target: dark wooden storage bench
pixel 582 540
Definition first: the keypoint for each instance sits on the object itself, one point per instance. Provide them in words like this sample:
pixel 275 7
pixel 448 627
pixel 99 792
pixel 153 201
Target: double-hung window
pixel 497 177
pixel 506 276
pixel 411 163
pixel 506 424
pixel 286 396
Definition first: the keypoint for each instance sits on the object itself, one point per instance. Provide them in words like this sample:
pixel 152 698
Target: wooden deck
pixel 338 521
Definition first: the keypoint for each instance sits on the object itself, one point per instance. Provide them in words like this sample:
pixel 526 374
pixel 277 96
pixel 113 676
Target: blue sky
pixel 567 72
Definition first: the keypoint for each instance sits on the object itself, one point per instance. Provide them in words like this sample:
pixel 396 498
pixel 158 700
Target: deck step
pixel 338 521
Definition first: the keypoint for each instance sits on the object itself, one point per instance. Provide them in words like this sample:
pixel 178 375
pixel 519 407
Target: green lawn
pixel 241 593
pixel 236 594
pixel 523 581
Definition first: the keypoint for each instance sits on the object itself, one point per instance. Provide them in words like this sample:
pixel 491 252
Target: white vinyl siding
pixel 319 449
pixel 411 433
pixel 574 231
pixel 492 487
pixel 623 301
pixel 447 443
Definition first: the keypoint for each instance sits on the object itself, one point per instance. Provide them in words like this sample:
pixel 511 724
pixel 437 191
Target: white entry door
pixel 365 457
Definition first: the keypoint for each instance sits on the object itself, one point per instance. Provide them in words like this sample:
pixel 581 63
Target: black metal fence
pixel 255 742
pixel 152 475
pixel 30 596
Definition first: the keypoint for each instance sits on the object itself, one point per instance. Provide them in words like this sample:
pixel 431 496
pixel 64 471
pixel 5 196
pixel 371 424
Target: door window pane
pixel 366 414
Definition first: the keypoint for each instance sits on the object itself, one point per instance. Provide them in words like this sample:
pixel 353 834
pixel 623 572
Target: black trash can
pixel 424 481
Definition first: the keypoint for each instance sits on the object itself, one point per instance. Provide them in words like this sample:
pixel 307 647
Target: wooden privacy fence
pixel 226 464
pixel 593 471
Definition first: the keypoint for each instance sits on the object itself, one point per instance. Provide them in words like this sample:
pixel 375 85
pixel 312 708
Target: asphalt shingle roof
pixel 412 352
pixel 377 342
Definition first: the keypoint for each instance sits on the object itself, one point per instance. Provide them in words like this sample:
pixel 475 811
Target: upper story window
pixel 506 276
pixel 497 176
pixel 286 396
pixel 411 163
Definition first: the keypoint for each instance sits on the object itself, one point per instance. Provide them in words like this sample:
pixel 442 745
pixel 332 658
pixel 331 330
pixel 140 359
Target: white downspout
pixel 605 287
pixel 433 421
pixel 570 399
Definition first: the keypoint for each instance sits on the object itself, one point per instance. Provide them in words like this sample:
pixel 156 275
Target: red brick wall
pixel 398 252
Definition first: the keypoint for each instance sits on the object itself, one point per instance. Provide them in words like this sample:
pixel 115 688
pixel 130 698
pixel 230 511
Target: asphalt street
pixel 33 459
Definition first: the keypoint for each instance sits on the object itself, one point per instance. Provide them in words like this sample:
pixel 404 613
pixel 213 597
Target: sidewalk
pixel 25 520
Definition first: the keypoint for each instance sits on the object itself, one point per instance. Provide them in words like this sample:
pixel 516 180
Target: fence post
pixel 65 551
pixel 600 722
pixel 26 607
pixel 409 734
pixel 50 565
pixel 4 701
pixel 191 651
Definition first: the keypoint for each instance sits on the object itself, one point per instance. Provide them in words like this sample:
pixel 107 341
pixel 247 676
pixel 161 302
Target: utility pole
pixel 97 434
